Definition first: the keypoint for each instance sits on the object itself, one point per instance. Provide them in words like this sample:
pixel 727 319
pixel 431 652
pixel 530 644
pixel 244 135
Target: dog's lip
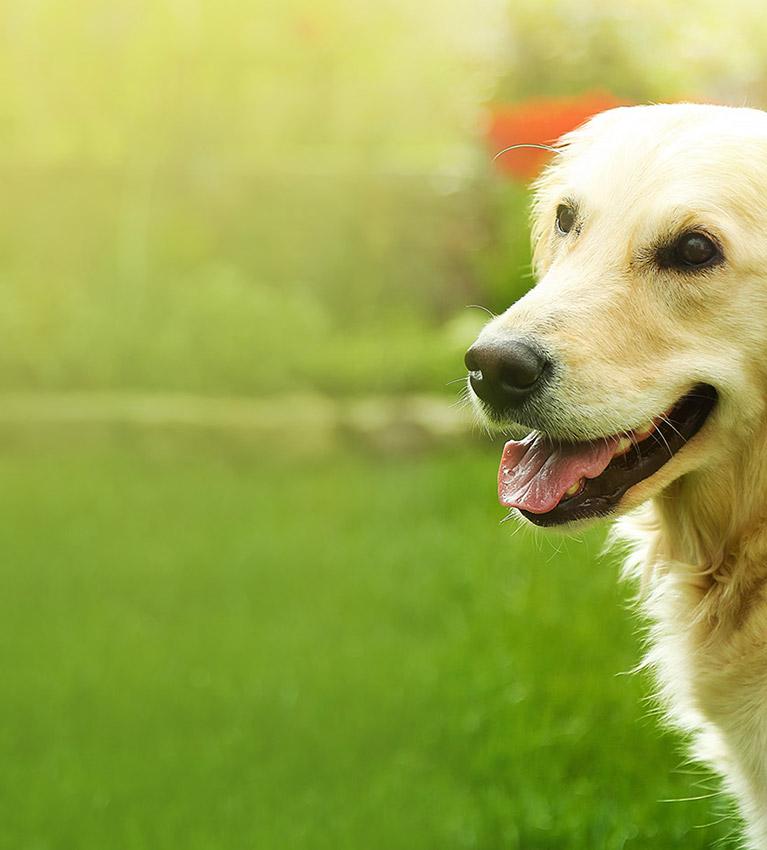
pixel 601 495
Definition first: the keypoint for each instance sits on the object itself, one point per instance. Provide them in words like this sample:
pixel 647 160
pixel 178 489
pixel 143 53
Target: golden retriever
pixel 638 365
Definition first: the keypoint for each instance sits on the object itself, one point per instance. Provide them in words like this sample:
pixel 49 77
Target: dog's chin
pixel 553 483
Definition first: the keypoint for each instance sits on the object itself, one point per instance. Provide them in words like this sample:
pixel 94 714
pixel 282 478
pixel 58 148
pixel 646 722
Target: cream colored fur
pixel 633 338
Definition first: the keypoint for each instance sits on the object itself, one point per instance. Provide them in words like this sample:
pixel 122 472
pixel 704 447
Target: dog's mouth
pixel 552 482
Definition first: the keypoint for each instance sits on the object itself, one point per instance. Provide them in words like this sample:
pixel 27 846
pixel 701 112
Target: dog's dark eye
pixel 695 250
pixel 565 218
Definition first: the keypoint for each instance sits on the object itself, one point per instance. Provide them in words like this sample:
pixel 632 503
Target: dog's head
pixel 641 353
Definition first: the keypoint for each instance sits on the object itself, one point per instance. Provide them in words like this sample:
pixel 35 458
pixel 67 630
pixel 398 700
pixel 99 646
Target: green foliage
pixel 236 198
pixel 640 51
pixel 258 288
pixel 503 264
pixel 225 198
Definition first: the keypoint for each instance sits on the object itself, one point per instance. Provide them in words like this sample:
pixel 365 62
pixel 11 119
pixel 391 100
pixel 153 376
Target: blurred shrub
pixel 238 197
pixel 234 286
pixel 229 197
pixel 642 51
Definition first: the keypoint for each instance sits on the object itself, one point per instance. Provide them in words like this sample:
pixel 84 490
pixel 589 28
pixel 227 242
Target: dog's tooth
pixel 645 431
pixel 624 444
pixel 571 491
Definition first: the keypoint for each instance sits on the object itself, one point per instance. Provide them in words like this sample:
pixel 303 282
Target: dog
pixel 635 375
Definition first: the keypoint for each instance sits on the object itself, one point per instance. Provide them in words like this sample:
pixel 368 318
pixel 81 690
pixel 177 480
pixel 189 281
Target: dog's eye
pixel 695 250
pixel 565 218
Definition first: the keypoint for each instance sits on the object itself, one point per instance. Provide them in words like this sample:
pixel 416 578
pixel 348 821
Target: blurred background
pixel 257 591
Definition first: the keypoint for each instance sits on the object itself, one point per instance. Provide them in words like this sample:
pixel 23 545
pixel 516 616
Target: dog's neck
pixel 710 526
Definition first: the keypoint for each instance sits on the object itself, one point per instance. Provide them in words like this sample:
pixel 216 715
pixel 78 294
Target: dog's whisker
pixel 548 148
pixel 691 799
pixel 657 433
pixel 671 425
pixel 480 307
pixel 556 551
pixel 712 823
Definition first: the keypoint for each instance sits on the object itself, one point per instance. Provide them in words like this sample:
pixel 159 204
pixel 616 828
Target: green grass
pixel 202 648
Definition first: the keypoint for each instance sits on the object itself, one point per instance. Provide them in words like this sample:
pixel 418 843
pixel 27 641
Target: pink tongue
pixel 535 473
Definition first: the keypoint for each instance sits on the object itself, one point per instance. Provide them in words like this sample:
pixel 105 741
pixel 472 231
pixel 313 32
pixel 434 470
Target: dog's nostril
pixel 520 367
pixel 472 360
pixel 501 373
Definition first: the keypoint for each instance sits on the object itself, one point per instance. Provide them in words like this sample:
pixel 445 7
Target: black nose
pixel 504 373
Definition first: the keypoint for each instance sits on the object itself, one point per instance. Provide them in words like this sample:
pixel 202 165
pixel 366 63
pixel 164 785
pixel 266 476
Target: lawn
pixel 206 649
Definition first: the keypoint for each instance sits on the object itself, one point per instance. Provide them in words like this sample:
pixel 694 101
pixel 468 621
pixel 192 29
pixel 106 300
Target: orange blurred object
pixel 541 121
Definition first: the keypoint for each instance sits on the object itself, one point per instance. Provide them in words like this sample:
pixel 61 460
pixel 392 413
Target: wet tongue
pixel 535 472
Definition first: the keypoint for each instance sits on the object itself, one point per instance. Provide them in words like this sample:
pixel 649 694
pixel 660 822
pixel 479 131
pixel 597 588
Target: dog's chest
pixel 709 648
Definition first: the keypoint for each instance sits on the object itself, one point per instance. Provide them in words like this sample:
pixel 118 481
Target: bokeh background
pixel 257 592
